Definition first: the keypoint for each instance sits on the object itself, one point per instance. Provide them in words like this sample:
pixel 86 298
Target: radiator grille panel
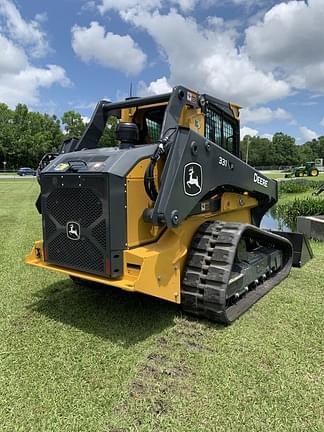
pixel 99 233
pixel 74 204
pixel 49 227
pixel 80 254
pixel 87 208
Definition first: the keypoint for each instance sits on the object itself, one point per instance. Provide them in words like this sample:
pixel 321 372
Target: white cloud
pixel 146 5
pixel 218 24
pixel 308 134
pixel 290 37
pixel 283 49
pixel 248 131
pixel 84 105
pixel 268 136
pixel 248 2
pixel 85 119
pixel 185 5
pixel 290 33
pixel 23 87
pixel 107 49
pixel 207 60
pixel 159 86
pixel 125 5
pixel 19 80
pixel 12 59
pixel 309 77
pixel 26 33
pixel 264 115
pixel 89 6
pixel 41 17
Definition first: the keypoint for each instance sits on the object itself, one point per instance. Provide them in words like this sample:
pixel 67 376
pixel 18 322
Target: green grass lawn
pixel 276 174
pixel 82 359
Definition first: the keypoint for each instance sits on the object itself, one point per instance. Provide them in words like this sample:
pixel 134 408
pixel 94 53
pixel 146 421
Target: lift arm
pixel 196 168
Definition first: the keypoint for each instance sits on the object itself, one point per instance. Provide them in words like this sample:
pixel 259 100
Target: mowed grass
pixel 277 175
pixel 89 359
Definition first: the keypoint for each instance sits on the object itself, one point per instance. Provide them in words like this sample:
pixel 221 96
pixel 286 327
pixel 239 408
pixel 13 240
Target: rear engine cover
pixel 76 223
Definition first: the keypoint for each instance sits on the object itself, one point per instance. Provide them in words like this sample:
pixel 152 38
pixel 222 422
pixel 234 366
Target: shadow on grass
pixel 105 312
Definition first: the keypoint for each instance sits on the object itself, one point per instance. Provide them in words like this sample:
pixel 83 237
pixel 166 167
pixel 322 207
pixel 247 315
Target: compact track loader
pixel 173 212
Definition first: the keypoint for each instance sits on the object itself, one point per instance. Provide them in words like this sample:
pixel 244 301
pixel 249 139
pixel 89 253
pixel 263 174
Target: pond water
pixel 269 221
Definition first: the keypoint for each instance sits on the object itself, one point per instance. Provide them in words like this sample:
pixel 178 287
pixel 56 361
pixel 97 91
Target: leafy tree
pixel 285 150
pixel 259 150
pixel 108 138
pixel 74 125
pixel 281 151
pixel 6 135
pixel 26 136
pixel 314 149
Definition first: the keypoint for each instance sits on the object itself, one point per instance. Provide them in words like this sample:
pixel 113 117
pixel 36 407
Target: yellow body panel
pixel 127 114
pixel 193 119
pixel 156 268
pixel 235 110
pixel 138 232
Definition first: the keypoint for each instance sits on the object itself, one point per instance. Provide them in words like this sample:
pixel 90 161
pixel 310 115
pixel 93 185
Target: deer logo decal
pixel 73 230
pixel 192 179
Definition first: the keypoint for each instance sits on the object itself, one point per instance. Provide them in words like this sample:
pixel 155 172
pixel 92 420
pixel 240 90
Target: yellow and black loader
pixel 173 212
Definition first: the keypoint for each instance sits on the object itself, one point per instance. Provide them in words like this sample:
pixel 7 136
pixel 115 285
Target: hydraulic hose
pixel 162 148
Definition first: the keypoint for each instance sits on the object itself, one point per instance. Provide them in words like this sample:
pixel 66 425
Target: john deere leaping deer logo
pixel 192 179
pixel 73 230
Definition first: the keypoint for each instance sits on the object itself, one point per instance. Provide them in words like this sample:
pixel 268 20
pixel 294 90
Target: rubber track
pixel 208 270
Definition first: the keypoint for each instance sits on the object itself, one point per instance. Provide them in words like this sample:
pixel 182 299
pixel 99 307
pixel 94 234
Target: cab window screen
pixel 228 136
pixel 154 130
pixel 213 126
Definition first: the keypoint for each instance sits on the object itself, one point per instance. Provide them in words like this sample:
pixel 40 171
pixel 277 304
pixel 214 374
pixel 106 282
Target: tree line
pixel 25 136
pixel 282 150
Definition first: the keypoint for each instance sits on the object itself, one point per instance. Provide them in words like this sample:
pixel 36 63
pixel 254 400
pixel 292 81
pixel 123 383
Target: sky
pixel 266 55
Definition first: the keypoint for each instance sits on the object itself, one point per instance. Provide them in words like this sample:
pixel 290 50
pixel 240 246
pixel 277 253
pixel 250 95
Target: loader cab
pixel 156 116
pixel 218 121
pixel 148 119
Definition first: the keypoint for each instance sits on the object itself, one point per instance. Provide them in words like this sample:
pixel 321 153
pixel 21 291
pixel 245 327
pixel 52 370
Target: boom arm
pixel 196 168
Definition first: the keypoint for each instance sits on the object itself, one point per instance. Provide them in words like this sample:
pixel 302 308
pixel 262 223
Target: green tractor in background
pixel 309 169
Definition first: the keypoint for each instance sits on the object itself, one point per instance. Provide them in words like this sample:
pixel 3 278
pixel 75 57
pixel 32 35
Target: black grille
pixel 80 254
pixel 86 207
pixel 49 227
pixel 99 233
pixel 74 204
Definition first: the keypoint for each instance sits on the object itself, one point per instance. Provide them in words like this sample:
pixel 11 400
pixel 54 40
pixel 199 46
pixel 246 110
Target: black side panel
pixel 117 225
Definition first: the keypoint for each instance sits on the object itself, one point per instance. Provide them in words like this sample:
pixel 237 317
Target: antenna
pixel 131 90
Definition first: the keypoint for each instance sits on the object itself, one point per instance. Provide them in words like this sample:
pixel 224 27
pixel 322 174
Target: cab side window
pixel 213 126
pixel 219 130
pixel 228 133
pixel 154 130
